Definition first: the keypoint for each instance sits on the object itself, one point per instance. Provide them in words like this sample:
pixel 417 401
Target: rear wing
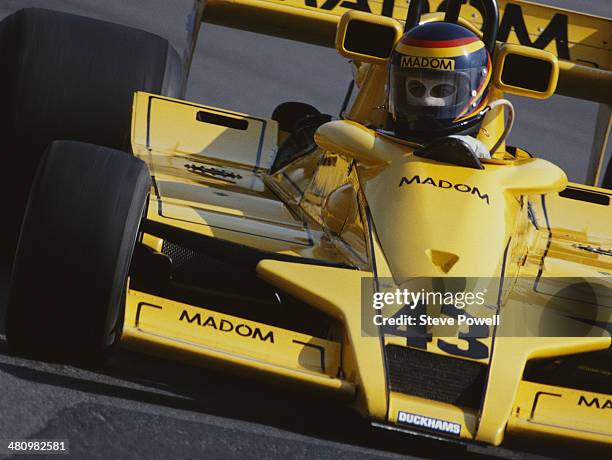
pixel 580 41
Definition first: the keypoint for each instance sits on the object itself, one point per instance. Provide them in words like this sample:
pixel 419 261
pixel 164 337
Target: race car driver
pixel 438 84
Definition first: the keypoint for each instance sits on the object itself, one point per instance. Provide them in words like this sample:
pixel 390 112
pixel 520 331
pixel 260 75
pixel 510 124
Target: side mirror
pixel 533 176
pixel 367 37
pixel 352 140
pixel 525 71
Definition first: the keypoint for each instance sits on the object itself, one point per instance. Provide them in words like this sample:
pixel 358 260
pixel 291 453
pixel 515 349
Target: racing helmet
pixel 438 82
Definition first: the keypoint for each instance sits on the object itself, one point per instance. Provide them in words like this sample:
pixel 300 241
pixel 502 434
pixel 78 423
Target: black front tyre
pixel 65 299
pixel 69 77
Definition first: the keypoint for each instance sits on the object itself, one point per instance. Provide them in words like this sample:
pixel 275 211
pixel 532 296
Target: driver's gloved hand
pixel 478 148
pixel 459 150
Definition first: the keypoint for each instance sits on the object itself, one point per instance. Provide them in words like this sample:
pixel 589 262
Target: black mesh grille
pixel 179 255
pixel 437 377
pixel 195 268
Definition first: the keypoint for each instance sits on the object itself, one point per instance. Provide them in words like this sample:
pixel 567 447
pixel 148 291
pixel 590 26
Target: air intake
pixel 431 376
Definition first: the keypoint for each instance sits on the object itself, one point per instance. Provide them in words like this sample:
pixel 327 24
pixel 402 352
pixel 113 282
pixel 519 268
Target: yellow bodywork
pixel 172 328
pixel 365 208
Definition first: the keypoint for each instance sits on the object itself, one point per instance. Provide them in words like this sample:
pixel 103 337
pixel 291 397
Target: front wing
pixel 354 368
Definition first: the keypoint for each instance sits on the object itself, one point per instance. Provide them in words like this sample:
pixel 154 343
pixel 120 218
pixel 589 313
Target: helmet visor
pixel 415 94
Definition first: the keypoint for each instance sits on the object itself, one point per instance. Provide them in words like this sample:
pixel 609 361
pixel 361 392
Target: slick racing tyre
pixel 65 299
pixel 69 77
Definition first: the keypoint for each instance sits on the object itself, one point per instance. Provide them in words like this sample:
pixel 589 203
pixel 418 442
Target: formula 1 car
pixel 257 244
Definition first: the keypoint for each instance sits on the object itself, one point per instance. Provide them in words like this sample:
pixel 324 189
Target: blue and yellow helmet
pixel 439 74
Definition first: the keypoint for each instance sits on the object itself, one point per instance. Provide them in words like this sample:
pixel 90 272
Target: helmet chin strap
pixel 509 121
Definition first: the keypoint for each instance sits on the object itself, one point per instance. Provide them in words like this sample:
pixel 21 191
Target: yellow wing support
pixel 318 286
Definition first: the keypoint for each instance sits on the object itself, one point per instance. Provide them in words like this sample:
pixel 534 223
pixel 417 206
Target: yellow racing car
pixel 446 284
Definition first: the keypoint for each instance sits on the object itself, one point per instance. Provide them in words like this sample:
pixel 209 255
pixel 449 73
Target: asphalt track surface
pixel 142 407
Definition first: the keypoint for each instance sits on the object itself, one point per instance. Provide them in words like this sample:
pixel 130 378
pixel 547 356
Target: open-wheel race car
pixel 257 244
